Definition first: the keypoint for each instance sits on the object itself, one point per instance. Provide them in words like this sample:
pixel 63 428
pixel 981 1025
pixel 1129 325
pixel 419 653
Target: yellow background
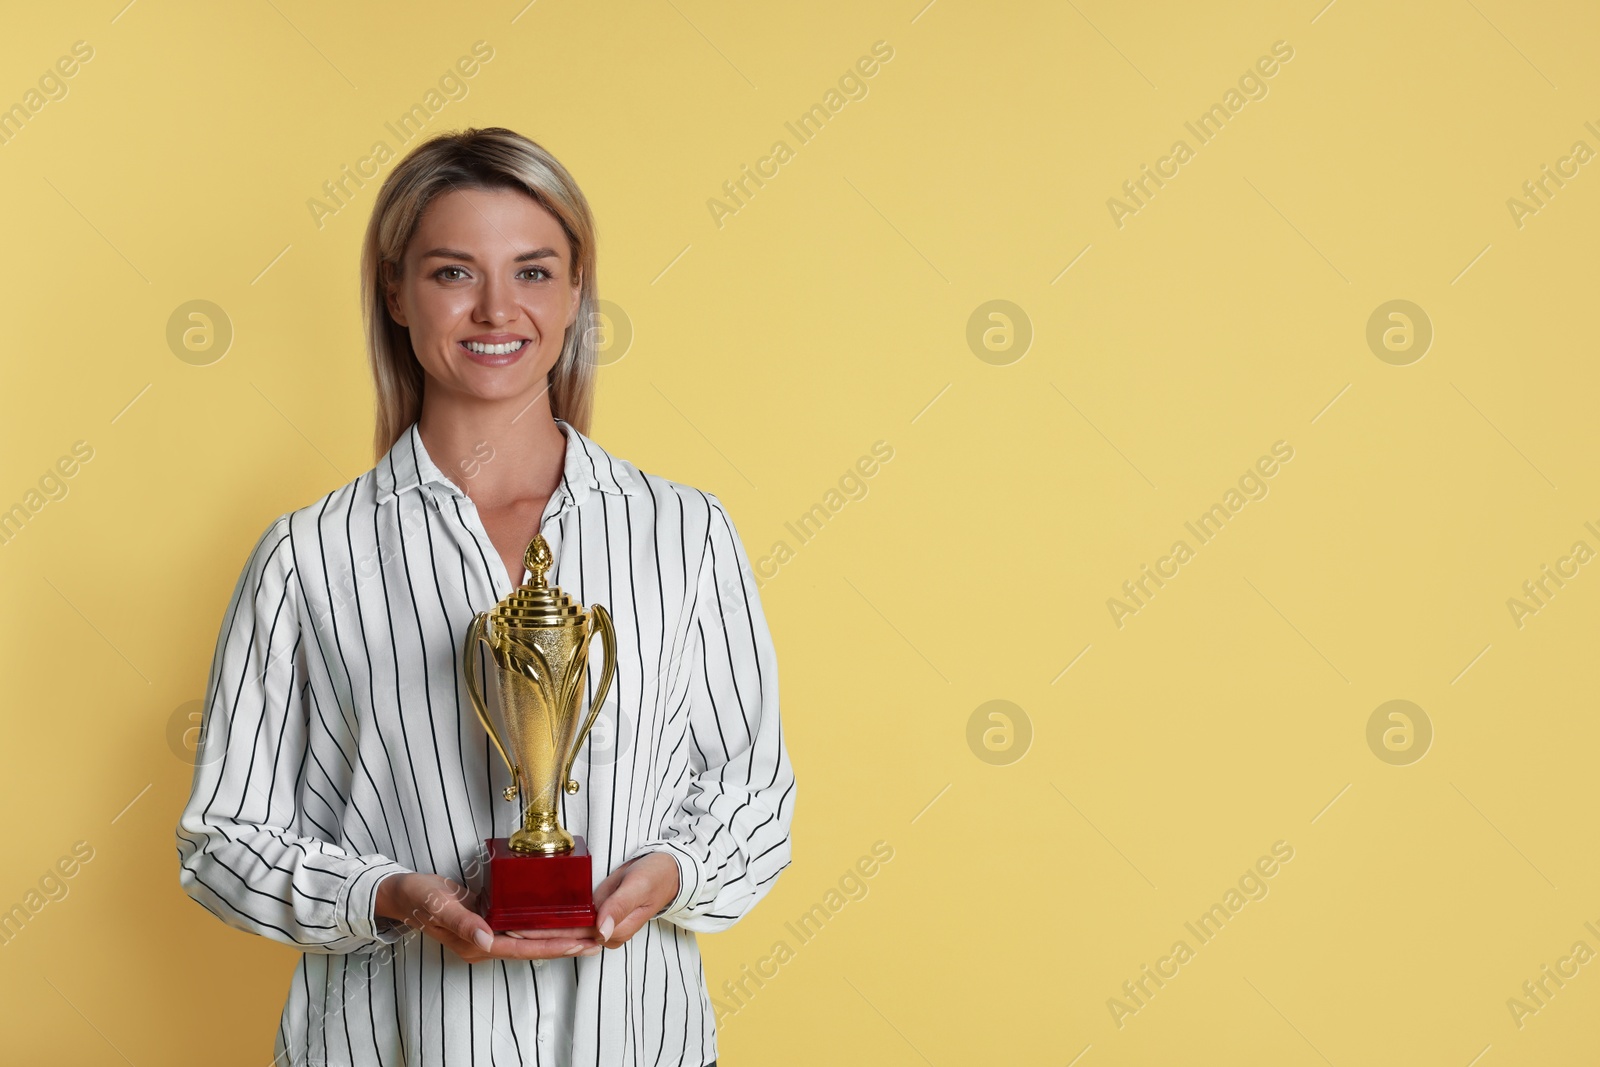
pixel 768 355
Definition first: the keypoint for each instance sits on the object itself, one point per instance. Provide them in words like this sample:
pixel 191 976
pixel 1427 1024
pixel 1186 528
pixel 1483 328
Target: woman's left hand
pixel 625 900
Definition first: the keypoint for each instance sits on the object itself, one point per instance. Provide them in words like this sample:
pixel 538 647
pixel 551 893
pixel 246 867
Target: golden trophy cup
pixel 538 639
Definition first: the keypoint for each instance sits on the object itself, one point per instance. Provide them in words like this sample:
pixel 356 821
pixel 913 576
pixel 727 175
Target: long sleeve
pixel 243 850
pixel 730 830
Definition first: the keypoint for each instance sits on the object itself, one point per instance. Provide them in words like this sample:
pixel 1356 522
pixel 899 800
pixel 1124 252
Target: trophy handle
pixel 472 656
pixel 608 640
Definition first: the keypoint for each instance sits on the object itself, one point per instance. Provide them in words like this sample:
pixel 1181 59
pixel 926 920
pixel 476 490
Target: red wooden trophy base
pixel 526 892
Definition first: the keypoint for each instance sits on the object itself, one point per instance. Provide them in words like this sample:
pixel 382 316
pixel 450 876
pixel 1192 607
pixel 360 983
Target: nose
pixel 495 305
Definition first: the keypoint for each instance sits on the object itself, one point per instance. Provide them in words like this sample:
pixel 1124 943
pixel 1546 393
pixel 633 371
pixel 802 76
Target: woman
pixel 344 789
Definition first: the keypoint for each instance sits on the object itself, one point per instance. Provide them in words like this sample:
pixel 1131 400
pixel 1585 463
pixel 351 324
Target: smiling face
pixel 487 292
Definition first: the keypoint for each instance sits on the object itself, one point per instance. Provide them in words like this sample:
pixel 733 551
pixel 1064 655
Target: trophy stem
pixel 541 834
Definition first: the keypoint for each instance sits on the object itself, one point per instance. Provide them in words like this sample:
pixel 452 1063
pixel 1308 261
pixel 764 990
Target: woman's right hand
pixel 446 911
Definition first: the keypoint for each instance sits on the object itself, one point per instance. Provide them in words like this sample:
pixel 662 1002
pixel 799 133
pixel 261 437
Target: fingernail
pixel 593 951
pixel 574 950
pixel 606 926
pixel 484 939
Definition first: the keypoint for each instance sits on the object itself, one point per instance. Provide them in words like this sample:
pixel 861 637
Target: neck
pixel 498 452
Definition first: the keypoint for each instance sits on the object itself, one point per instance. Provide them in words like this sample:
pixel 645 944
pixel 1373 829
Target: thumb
pixel 465 923
pixel 619 904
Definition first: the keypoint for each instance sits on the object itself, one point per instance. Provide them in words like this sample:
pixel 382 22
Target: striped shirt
pixel 339 746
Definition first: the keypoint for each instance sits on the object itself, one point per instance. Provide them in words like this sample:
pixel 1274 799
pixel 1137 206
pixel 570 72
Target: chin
pixel 502 388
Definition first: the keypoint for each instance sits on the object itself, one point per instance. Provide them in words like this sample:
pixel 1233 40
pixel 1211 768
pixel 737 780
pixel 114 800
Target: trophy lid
pixel 537 604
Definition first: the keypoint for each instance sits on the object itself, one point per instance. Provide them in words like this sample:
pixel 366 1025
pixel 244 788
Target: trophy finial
pixel 537 559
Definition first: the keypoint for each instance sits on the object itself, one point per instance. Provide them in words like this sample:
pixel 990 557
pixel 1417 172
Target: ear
pixel 577 300
pixel 391 294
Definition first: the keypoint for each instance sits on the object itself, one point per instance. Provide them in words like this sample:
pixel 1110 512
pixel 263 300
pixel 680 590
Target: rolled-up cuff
pixel 357 899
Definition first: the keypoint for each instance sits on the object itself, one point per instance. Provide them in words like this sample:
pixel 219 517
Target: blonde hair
pixel 492 158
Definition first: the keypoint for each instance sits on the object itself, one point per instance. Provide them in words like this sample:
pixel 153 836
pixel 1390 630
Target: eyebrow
pixel 455 253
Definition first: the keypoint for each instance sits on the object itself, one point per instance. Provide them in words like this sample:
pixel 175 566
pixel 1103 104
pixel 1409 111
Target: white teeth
pixel 494 350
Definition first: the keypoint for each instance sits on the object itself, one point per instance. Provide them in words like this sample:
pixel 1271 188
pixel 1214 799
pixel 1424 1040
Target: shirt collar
pixel 588 468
